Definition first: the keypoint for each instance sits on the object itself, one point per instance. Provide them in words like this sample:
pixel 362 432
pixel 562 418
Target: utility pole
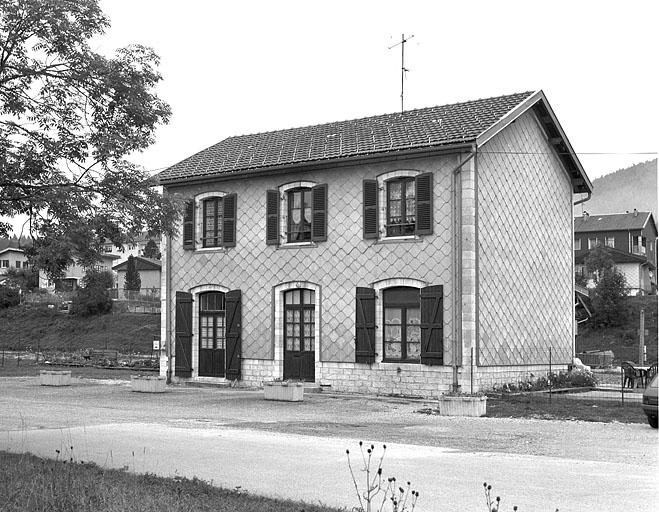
pixel 402 68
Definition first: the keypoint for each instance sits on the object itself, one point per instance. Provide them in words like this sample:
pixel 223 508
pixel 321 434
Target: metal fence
pixel 146 300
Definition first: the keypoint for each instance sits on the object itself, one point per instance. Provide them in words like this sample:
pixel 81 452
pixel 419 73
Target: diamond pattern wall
pixel 525 250
pixel 338 265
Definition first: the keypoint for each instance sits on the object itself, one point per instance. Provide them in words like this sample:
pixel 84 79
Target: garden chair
pixel 629 373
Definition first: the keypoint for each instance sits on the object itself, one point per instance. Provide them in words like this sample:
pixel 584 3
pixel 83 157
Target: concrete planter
pixel 148 384
pixel 462 405
pixel 55 377
pixel 284 391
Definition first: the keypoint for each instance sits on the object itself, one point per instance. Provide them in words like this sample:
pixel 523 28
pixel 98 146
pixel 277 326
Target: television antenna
pixel 403 70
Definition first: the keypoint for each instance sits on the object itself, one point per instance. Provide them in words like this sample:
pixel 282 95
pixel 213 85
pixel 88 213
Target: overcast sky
pixel 240 67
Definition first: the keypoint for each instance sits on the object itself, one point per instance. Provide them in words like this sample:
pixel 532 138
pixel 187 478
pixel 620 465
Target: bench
pixel 109 354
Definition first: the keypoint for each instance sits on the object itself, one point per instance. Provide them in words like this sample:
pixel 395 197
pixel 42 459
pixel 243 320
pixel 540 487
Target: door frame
pixel 196 291
pixel 278 325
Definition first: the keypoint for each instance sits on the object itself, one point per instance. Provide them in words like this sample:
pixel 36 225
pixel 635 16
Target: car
pixel 650 401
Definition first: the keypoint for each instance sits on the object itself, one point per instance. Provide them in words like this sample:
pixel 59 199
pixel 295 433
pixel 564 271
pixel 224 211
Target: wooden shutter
pixel 370 204
pixel 432 325
pixel 365 326
pixel 233 334
pixel 188 226
pixel 229 220
pixel 183 337
pixel 319 213
pixel 424 209
pixel 272 217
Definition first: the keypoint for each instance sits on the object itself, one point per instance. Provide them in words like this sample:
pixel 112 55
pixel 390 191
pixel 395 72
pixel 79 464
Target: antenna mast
pixel 402 68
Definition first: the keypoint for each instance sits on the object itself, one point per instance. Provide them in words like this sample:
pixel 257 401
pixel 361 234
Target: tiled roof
pixel 617 256
pixel 141 263
pixel 413 129
pixel 612 222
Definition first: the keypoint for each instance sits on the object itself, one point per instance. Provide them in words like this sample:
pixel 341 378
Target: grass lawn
pixel 28 368
pixel 32 483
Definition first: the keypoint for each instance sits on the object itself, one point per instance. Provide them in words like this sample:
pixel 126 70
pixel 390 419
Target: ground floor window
pixel 402 324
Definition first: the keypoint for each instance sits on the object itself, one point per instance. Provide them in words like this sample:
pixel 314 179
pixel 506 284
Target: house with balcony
pixel 631 241
pixel 378 254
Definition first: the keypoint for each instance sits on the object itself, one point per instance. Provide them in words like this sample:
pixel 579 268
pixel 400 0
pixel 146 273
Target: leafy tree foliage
pixel 9 297
pixel 610 290
pixel 93 298
pixel 25 279
pixel 133 282
pixel 69 118
pixel 599 262
pixel 151 250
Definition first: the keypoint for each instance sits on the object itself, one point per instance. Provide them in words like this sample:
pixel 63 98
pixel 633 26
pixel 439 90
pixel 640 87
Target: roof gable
pixel 612 222
pixel 141 263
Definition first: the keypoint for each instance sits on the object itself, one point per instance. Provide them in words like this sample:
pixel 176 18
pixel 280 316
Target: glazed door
pixel 212 335
pixel 299 338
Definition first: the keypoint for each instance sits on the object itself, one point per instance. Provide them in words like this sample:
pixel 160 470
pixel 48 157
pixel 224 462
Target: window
pixel 592 243
pixel 212 222
pixel 610 241
pixel 18 264
pixel 639 244
pixel 299 215
pixel 577 244
pixel 5 263
pixel 398 204
pixel 402 325
pixel 401 207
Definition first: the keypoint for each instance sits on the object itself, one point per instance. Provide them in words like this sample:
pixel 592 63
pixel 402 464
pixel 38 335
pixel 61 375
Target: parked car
pixel 650 401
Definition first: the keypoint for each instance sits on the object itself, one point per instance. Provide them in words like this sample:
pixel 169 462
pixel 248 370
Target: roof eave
pixel 415 152
pixel 581 184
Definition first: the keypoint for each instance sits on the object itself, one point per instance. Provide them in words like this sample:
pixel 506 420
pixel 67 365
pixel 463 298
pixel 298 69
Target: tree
pixel 133 282
pixel 24 279
pixel 93 298
pixel 151 250
pixel 610 290
pixel 69 118
pixel 599 261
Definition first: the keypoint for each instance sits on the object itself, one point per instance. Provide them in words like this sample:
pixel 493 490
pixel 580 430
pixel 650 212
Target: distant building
pixel 631 240
pixel 134 249
pixel 73 275
pixel 149 270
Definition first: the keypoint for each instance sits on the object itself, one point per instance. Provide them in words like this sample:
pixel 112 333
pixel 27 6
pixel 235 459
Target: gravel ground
pixel 26 405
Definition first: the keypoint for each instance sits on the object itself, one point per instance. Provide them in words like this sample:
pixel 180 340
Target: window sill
pixel 297 245
pixel 222 250
pixel 399 239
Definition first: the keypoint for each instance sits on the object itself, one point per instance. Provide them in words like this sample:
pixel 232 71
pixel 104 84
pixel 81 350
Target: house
pixel 73 275
pixel 12 255
pixel 631 240
pixel 149 270
pixel 133 249
pixel 382 255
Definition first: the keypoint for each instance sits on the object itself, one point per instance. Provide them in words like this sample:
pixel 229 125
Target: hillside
pixel 33 328
pixel 624 190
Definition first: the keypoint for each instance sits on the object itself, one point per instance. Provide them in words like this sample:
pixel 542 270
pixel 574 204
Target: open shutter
pixel 188 226
pixel 365 326
pixel 424 211
pixel 319 213
pixel 229 220
pixel 370 204
pixel 272 217
pixel 432 325
pixel 233 333
pixel 183 337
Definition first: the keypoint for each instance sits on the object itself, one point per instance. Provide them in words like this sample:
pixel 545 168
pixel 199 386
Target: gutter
pixel 168 323
pixel 583 200
pixel 457 262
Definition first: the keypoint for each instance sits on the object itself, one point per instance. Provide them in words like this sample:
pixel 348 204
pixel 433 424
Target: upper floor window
pixel 299 215
pixel 212 222
pixel 577 244
pixel 610 241
pixel 592 243
pixel 401 207
pixel 398 204
pixel 639 244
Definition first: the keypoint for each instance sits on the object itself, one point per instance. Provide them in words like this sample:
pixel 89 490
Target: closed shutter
pixel 233 334
pixel 432 325
pixel 424 209
pixel 272 217
pixel 183 335
pixel 370 204
pixel 319 213
pixel 188 226
pixel 365 326
pixel 229 220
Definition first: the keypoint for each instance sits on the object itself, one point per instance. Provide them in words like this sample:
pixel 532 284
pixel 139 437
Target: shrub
pixel 93 298
pixel 9 297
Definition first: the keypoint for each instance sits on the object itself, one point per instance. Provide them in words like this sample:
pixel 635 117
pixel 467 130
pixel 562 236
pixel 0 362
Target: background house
pixel 149 270
pixel 12 255
pixel 378 254
pixel 73 275
pixel 631 240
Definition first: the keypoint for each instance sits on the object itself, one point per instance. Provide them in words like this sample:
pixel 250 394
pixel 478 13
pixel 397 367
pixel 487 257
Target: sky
pixel 231 68
pixel 238 67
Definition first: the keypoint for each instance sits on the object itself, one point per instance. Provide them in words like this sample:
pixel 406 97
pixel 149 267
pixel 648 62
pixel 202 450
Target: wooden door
pixel 212 335
pixel 299 335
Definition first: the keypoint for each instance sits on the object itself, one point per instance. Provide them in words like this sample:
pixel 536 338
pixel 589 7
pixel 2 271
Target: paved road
pixel 233 438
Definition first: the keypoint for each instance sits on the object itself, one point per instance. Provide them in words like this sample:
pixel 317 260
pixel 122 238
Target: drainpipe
pixel 457 265
pixel 584 199
pixel 167 309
